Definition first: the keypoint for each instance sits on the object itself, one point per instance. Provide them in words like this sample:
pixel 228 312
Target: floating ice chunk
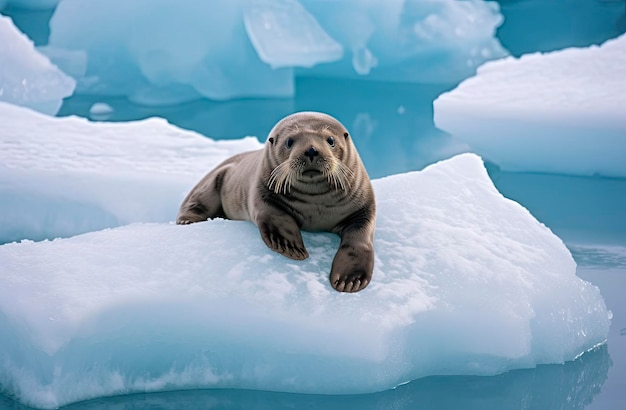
pixel 466 282
pixel 80 176
pixel 100 111
pixel 560 112
pixel 27 77
pixel 284 34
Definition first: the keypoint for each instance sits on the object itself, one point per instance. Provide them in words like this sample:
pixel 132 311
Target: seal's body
pixel 308 176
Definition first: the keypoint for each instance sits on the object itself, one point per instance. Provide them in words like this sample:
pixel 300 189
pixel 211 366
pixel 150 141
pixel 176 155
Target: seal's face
pixel 306 150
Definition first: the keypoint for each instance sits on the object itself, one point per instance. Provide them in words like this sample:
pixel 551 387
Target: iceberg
pixel 27 77
pixel 434 41
pixel 240 49
pixel 466 281
pixel 167 56
pixel 521 113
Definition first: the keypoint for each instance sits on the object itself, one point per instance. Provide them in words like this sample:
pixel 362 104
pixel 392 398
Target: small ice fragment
pixel 100 111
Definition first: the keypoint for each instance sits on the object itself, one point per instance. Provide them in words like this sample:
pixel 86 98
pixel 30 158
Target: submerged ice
pixel 466 281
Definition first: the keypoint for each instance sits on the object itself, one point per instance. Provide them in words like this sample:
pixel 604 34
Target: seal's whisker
pixel 276 181
pixel 284 176
pixel 338 175
pixel 346 175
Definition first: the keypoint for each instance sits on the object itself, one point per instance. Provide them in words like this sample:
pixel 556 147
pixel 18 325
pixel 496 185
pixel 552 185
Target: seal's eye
pixel 330 141
pixel 289 143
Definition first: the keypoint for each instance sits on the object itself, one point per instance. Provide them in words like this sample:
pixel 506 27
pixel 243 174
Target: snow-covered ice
pixel 466 281
pixel 559 112
pixel 27 77
pixel 78 176
pixel 156 54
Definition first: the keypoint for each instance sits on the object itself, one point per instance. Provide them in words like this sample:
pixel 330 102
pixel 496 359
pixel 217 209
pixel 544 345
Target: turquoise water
pixel 394 131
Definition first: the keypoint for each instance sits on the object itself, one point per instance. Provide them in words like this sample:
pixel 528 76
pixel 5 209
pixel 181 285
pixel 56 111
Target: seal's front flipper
pixel 353 264
pixel 281 234
pixel 352 267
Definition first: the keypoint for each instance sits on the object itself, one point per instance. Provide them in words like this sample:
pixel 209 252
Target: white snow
pixel 466 281
pixel 561 112
pixel 156 54
pixel 27 77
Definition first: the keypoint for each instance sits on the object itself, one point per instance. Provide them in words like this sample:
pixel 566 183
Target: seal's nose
pixel 311 153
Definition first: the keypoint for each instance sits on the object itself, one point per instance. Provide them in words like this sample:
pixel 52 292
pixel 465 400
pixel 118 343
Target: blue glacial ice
pixel 466 281
pixel 558 112
pixel 27 77
pixel 284 34
pixel 411 41
pixel 253 48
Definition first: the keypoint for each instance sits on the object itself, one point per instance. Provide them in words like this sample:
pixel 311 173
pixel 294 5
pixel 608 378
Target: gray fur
pixel 327 189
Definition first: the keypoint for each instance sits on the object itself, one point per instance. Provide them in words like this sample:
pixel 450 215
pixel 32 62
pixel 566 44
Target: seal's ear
pixel 271 140
pixel 345 135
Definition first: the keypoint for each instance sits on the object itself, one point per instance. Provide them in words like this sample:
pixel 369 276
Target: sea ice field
pixel 495 137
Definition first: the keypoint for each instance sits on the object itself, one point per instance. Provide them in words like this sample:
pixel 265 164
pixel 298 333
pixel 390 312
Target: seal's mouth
pixel 311 173
pixel 288 173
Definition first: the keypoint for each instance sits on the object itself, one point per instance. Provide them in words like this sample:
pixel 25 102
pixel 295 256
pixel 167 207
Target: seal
pixel 308 176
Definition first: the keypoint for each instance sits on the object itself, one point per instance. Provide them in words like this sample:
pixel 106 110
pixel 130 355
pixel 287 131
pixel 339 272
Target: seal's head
pixel 307 149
